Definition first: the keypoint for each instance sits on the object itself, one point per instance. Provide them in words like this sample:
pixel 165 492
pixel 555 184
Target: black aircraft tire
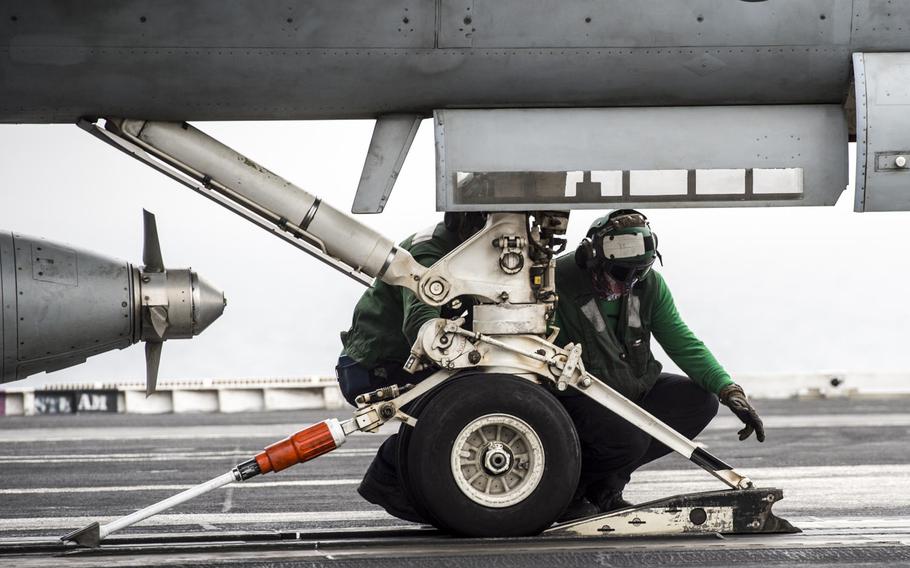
pixel 519 457
pixel 404 443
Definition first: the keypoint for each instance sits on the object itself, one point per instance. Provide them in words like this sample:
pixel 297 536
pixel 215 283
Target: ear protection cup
pixel 584 254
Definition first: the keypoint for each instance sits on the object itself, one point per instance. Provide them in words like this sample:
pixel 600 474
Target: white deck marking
pixel 268 432
pixel 228 500
pixel 805 488
pixel 274 432
pixel 160 456
pixel 809 523
pixel 179 487
pixel 33 523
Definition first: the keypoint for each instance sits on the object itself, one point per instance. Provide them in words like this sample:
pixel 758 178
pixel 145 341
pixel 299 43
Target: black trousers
pixel 354 380
pixel 611 448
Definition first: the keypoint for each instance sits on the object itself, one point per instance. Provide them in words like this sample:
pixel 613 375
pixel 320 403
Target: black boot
pixel 390 497
pixel 579 508
pixel 610 500
pixel 381 485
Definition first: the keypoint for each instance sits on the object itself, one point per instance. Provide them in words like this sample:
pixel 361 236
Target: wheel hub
pixel 497 460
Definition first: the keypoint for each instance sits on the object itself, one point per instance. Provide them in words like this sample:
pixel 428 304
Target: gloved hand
pixel 733 397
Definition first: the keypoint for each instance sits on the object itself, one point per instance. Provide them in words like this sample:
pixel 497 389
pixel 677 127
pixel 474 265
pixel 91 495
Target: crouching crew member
pixel 385 324
pixel 612 303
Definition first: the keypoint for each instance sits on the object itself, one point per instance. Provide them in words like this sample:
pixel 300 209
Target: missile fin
pixel 152 360
pixel 151 248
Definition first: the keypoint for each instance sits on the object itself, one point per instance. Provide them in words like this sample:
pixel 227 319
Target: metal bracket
pixel 392 138
pixel 564 368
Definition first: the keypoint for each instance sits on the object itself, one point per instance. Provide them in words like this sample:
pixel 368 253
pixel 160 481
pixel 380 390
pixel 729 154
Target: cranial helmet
pixel 620 244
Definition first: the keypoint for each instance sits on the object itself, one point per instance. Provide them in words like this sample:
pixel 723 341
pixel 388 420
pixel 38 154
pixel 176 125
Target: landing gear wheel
pixel 492 455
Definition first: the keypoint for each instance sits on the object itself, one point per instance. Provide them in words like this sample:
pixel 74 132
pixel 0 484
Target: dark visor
pixel 627 272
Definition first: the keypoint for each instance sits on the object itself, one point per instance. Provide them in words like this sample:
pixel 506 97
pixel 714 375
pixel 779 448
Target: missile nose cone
pixel 208 304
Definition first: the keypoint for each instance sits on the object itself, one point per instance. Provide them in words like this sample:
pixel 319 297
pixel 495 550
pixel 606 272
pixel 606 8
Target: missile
pixel 60 305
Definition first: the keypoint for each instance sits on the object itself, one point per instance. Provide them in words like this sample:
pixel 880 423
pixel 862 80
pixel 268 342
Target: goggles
pixel 626 272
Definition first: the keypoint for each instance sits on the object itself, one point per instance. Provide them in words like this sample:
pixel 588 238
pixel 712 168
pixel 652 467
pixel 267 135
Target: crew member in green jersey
pixel 385 324
pixel 612 303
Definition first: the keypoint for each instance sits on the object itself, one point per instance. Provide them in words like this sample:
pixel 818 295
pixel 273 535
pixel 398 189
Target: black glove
pixel 735 399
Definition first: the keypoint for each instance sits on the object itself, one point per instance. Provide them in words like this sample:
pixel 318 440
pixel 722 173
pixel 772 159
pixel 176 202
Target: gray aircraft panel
pixel 9 337
pixel 399 23
pixel 205 60
pixel 204 84
pixel 519 159
pixel 883 123
pixel 213 23
pixel 884 24
pixel 645 23
pixel 392 137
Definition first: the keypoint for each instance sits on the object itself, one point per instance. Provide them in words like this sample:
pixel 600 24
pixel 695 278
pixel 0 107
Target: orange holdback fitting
pixel 303 446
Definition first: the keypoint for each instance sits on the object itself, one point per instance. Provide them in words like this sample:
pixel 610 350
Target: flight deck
pixel 843 465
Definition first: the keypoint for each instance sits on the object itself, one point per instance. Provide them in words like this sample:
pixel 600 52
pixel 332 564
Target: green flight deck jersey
pixel 387 318
pixel 615 335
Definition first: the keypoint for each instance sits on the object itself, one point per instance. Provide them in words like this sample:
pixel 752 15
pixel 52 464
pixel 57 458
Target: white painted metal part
pixel 166 504
pixel 497 460
pixel 255 188
pixel 652 522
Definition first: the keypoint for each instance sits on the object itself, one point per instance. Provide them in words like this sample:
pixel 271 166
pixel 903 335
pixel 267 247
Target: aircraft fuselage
pixel 321 59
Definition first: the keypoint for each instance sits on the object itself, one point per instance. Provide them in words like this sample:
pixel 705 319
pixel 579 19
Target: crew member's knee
pixel 686 393
pixel 712 404
pixel 615 451
pixel 704 404
pixel 353 378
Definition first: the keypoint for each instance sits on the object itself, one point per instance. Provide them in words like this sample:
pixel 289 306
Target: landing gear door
pixel 882 131
pixel 558 159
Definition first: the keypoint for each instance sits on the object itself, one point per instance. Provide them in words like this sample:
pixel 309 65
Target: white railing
pixel 180 396
pixel 321 392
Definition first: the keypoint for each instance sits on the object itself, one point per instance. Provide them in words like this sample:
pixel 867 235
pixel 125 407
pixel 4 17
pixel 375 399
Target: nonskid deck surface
pixel 846 541
pixel 843 466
